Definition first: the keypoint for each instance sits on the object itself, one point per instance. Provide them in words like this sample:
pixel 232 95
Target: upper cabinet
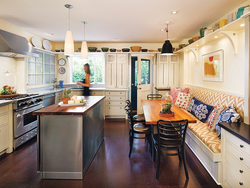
pixel 167 71
pixel 116 70
pixel 41 70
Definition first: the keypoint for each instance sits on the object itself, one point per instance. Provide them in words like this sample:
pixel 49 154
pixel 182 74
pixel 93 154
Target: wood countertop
pixel 240 130
pixel 71 110
pixel 151 109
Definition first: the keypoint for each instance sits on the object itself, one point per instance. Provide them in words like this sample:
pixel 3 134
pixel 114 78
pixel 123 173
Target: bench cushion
pixel 210 139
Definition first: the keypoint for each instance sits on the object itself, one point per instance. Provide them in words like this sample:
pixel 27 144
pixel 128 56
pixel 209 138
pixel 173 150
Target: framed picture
pixel 212 66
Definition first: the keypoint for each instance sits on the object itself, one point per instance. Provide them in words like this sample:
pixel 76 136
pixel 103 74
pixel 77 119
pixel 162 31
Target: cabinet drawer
pixel 114 110
pixel 115 103
pixel 240 156
pixel 4 135
pixel 96 93
pixel 240 169
pixel 4 118
pixel 4 109
pixel 115 93
pixel 115 98
pixel 240 144
pixel 235 179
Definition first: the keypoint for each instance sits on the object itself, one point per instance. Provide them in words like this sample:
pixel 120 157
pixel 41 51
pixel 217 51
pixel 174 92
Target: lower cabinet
pixel 4 127
pixel 58 96
pixel 96 93
pixel 236 161
pixel 114 104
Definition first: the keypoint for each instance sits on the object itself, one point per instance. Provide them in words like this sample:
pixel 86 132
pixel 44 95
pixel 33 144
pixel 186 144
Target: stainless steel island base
pixel 67 144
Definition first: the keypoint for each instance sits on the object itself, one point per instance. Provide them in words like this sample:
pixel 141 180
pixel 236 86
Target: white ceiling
pixel 125 20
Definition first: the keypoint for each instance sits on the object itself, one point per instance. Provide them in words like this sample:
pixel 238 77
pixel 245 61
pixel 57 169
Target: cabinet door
pixel 4 135
pixel 122 64
pixel 173 71
pixel 110 70
pixel 162 71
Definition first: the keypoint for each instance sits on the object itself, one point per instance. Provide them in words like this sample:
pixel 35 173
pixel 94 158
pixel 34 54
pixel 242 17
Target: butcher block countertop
pixel 71 110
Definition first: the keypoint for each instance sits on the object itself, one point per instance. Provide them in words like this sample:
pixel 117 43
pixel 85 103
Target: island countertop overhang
pixel 71 110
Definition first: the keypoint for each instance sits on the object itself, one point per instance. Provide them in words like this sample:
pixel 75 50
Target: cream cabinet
pixel 114 104
pixel 167 71
pixel 236 166
pixel 96 93
pixel 58 97
pixel 4 127
pixel 116 70
pixel 78 92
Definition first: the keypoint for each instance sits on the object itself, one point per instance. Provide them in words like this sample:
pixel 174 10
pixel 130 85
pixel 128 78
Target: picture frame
pixel 212 66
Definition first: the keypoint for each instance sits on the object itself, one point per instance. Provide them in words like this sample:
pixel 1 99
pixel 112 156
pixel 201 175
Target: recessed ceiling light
pixel 187 50
pixel 162 29
pixel 242 25
pixel 174 12
pixel 216 37
pixel 197 45
pixel 51 34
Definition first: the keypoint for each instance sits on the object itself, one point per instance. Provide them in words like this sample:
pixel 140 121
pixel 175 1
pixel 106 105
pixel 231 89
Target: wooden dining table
pixel 152 108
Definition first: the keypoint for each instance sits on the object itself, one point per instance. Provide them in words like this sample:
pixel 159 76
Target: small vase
pixel 65 100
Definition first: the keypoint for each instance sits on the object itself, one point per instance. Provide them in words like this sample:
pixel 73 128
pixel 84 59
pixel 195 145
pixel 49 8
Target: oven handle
pixel 31 109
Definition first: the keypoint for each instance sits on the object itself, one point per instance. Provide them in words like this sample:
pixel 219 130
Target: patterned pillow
pixel 191 106
pixel 183 100
pixel 228 115
pixel 213 117
pixel 174 92
pixel 200 109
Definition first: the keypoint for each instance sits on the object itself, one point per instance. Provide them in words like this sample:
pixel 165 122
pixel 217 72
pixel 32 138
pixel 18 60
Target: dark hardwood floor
pixel 111 167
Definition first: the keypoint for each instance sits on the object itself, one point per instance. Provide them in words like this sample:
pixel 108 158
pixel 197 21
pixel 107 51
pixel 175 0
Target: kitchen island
pixel 68 138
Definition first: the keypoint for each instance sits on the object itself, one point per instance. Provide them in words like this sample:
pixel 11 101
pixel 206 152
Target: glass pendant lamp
pixel 69 40
pixel 167 48
pixel 84 47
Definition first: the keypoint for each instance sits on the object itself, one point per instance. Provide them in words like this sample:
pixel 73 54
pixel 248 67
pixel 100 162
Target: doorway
pixel 141 80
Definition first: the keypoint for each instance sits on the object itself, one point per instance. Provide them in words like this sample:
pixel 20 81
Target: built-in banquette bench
pixel 205 144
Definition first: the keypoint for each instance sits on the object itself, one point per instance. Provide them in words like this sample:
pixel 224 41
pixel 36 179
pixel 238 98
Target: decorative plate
pixel 62 70
pixel 47 45
pixel 36 42
pixel 61 62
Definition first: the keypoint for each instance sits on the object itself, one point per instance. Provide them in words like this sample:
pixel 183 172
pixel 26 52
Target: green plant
pixel 66 93
pixel 166 108
pixel 55 81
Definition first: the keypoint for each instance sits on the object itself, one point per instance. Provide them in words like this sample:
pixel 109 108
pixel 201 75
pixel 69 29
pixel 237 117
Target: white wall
pixel 233 81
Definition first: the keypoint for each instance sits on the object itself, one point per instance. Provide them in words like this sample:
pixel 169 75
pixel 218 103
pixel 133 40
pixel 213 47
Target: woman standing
pixel 86 81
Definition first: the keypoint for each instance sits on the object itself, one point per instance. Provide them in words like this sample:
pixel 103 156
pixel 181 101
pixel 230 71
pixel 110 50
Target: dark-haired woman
pixel 86 81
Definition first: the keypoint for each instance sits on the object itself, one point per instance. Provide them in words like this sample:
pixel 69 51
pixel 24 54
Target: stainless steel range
pixel 24 123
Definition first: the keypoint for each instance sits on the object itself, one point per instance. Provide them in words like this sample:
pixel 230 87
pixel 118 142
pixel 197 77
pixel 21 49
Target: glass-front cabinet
pixel 41 70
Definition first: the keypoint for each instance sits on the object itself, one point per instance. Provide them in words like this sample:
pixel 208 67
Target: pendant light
pixel 167 48
pixel 69 40
pixel 84 47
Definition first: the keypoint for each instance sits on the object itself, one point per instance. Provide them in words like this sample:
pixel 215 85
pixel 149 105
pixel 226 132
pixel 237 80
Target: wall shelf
pixel 230 30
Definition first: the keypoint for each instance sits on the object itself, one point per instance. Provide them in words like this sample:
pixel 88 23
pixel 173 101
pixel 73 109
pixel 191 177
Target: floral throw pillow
pixel 174 92
pixel 183 100
pixel 213 117
pixel 228 115
pixel 199 109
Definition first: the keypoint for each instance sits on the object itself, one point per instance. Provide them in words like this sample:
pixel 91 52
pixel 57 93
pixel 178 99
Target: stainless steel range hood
pixel 12 45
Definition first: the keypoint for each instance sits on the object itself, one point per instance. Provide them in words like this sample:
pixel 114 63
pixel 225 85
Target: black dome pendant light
pixel 167 48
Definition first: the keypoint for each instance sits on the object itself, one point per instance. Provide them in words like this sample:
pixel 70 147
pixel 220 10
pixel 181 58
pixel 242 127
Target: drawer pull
pixel 241 171
pixel 120 103
pixel 120 98
pixel 241 183
pixel 109 102
pixel 241 159
pixel 241 146
pixel 120 107
pixel 109 107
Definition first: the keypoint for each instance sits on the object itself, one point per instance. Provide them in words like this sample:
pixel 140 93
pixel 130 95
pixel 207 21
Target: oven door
pixel 24 121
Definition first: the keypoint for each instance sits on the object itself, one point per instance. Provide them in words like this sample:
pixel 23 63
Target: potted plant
pixel 66 97
pixel 54 83
pixel 166 106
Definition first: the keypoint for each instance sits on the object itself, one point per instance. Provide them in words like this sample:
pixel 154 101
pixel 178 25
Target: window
pixel 97 69
pixel 41 70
